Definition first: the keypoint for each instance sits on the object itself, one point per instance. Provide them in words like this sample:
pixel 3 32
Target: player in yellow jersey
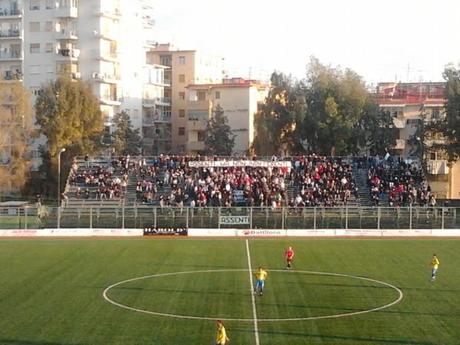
pixel 261 275
pixel 434 267
pixel 221 337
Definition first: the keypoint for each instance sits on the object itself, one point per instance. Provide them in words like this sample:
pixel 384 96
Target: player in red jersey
pixel 289 255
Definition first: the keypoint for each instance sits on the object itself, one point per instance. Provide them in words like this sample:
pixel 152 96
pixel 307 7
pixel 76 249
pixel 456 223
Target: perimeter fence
pixel 233 217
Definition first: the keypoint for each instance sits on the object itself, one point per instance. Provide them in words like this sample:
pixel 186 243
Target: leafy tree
pixel 376 132
pixel 125 140
pixel 16 132
pixel 69 116
pixel 219 139
pixel 336 102
pixel 448 128
pixel 276 121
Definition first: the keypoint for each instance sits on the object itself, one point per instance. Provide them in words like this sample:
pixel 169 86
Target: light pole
pixel 59 188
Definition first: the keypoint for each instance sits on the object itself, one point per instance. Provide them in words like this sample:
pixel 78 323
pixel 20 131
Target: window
pixel 34 26
pixel 217 95
pixel 35 48
pixel 181 95
pixel 48 26
pixel 201 136
pixel 181 112
pixel 34 69
pixel 34 5
pixel 181 130
pixel 49 4
pixel 181 78
pixel 181 60
pixel 48 47
pixel 201 95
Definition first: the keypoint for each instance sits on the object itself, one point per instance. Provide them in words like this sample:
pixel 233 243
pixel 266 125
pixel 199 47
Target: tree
pixel 68 115
pixel 125 140
pixel 336 102
pixel 377 132
pixel 16 132
pixel 330 112
pixel 276 121
pixel 448 128
pixel 219 139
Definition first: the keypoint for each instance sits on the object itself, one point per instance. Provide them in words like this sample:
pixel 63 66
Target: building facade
pixel 104 42
pixel 413 106
pixel 239 99
pixel 185 67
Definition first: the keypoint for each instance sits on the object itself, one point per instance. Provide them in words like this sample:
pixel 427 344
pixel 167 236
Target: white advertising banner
pixel 310 233
pixel 233 220
pixel 239 163
pixel 261 233
pixel 212 232
pixel 76 232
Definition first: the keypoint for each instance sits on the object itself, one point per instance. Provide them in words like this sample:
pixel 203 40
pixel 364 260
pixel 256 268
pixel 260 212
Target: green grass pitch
pixel 51 291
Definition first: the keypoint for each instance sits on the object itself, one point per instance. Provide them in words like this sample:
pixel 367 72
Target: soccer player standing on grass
pixel 221 337
pixel 434 267
pixel 261 275
pixel 289 255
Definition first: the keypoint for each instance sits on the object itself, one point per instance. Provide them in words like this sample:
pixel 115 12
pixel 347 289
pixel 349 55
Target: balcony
pixel 105 78
pixel 10 34
pixel 151 102
pixel 108 35
pixel 10 56
pixel 109 57
pixel 196 125
pixel 437 167
pixel 110 100
pixel 113 13
pixel 68 54
pixel 157 118
pixel 66 12
pixel 65 34
pixel 11 76
pixel 10 13
pixel 195 146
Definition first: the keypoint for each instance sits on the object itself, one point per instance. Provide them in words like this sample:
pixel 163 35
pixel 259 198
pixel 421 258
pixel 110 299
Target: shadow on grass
pixel 29 342
pixel 353 339
pixel 187 291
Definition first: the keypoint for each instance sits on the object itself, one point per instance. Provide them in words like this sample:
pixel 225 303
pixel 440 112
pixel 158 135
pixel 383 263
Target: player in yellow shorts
pixel 434 267
pixel 221 337
pixel 261 275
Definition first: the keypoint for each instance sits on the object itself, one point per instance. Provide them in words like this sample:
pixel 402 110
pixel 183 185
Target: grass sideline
pixel 51 291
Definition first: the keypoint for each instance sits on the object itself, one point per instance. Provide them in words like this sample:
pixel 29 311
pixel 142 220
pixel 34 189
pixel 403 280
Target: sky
pixel 391 40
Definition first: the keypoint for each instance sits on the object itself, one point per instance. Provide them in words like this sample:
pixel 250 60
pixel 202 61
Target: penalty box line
pixel 254 309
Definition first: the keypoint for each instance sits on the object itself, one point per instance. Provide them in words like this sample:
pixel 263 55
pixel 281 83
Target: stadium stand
pixel 301 181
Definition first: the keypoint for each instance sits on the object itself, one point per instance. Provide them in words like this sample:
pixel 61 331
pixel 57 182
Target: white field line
pixel 105 295
pixel 254 310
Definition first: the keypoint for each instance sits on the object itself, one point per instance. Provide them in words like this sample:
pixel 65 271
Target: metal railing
pixel 99 216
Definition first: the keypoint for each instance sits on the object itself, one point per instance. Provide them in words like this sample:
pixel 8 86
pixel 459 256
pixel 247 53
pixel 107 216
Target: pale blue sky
pixel 382 40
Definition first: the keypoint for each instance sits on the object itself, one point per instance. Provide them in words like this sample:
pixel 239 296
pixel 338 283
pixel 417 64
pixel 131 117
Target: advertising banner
pixel 239 163
pixel 168 231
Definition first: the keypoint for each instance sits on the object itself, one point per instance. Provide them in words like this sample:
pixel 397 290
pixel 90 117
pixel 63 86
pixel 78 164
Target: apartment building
pixel 239 98
pixel 413 106
pixel 101 41
pixel 185 67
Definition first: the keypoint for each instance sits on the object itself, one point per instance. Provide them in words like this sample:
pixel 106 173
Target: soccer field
pixel 51 292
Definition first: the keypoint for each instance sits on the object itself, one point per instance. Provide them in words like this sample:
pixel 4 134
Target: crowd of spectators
pixel 96 181
pixel 403 182
pixel 322 181
pixel 314 180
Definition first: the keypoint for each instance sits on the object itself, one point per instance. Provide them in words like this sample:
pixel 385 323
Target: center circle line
pixel 190 317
